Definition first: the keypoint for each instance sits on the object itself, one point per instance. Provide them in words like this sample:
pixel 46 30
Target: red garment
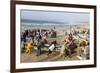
pixel 70 38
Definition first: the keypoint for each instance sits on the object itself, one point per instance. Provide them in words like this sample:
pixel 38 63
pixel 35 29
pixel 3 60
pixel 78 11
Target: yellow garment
pixel 29 47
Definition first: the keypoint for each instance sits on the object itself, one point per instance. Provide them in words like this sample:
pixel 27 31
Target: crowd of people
pixel 37 40
pixel 31 39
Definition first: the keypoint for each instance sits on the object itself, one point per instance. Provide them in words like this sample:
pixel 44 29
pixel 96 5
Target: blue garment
pixel 39 37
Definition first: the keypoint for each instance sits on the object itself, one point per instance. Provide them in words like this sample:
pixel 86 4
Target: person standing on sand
pixel 39 47
pixel 28 47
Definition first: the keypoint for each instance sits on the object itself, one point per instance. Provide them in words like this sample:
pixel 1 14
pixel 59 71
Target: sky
pixel 56 17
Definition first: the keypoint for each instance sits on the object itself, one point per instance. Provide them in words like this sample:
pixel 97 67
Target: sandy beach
pixel 55 56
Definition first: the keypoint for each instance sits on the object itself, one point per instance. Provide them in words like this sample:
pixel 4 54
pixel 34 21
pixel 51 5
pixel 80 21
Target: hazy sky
pixel 54 17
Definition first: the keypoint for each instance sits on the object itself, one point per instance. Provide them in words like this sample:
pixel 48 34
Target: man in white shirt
pixel 51 48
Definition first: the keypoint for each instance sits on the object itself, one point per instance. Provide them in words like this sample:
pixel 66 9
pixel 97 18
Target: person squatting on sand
pixel 68 46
